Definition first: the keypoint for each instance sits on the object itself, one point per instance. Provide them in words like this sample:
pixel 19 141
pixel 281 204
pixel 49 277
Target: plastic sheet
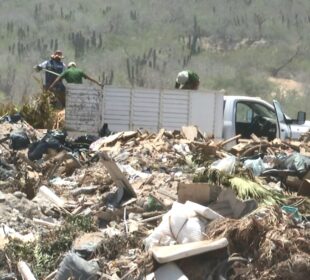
pixel 295 162
pixel 225 165
pixel 293 212
pixel 256 165
pixel 19 140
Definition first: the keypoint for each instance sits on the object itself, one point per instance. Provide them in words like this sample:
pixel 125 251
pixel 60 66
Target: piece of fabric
pixel 75 267
pixel 73 75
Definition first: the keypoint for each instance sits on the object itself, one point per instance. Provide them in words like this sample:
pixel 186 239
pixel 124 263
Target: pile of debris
pixel 139 205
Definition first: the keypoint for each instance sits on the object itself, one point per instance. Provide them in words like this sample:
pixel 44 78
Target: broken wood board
pixel 116 174
pixel 164 254
pixel 276 141
pixel 239 147
pixel 295 144
pixel 201 193
pixel 223 143
pixel 255 138
pixel 95 146
pixel 190 132
pixel 112 139
pixel 25 271
pixel 129 134
pixel 246 141
pixel 159 134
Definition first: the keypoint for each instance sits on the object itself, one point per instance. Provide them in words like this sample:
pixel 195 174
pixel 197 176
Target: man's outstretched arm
pixel 93 80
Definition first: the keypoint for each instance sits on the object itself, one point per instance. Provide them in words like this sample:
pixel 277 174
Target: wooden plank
pixel 295 144
pixel 221 144
pixel 247 141
pixel 159 134
pixel 276 142
pixel 95 146
pixel 239 147
pixel 255 138
pixel 116 174
pixel 25 271
pixel 164 254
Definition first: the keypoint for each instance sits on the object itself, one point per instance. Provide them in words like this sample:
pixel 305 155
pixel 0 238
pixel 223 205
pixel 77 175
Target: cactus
pixel 100 41
pixel 93 39
pixel 56 44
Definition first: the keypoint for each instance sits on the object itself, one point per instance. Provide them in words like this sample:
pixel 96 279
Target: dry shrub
pixel 277 248
pixel 244 235
pixel 38 111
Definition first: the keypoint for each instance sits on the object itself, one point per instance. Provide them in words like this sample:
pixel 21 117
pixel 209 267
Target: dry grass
pixel 37 111
pixel 277 247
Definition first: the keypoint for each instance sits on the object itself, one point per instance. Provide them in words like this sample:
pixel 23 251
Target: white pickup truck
pixel 89 107
pixel 246 115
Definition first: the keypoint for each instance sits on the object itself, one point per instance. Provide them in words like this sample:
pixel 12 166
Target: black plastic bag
pixel 53 139
pixel 19 140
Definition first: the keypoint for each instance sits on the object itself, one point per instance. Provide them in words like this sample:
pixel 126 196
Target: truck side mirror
pixel 301 117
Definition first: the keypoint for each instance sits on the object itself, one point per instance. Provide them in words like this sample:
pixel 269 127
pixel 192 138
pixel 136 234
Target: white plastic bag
pixel 225 165
pixel 180 225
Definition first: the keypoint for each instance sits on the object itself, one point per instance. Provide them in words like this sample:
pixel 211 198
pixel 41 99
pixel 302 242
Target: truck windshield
pixel 261 110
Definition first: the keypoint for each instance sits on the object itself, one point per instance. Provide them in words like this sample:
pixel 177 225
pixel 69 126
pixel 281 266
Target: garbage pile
pixel 142 205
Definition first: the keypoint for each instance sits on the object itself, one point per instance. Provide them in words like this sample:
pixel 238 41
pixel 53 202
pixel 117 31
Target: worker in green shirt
pixel 72 75
pixel 187 80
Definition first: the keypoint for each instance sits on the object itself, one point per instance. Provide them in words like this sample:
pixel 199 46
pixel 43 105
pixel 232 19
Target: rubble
pixel 120 206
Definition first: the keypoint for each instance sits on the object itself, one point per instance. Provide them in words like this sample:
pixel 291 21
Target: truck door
pixel 282 128
pixel 256 116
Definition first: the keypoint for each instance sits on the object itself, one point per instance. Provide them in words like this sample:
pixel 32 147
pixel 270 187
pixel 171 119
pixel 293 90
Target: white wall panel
pixel 151 109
